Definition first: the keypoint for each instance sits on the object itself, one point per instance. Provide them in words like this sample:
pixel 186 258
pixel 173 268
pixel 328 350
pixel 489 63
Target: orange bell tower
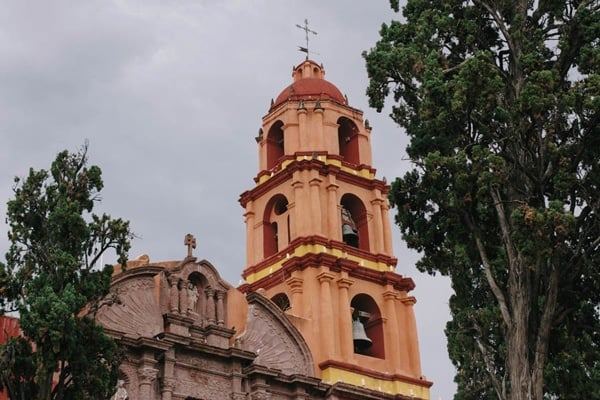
pixel 319 240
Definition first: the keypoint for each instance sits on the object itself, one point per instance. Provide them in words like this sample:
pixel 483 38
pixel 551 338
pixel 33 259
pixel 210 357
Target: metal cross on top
pixel 190 242
pixel 306 32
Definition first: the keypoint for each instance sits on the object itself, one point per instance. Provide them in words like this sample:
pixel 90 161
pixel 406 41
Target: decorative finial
pixel 306 32
pixel 318 105
pixel 346 98
pixel 272 102
pixel 367 124
pixel 301 105
pixel 260 135
pixel 190 242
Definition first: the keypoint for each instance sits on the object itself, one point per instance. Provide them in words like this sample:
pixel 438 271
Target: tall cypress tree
pixel 501 102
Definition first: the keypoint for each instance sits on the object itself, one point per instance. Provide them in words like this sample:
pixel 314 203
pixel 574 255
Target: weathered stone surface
pixel 274 339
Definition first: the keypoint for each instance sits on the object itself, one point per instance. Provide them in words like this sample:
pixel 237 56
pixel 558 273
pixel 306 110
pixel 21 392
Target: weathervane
pixel 306 32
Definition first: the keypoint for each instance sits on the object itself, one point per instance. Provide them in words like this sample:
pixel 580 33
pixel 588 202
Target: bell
pixel 361 340
pixel 349 235
pixel 347 230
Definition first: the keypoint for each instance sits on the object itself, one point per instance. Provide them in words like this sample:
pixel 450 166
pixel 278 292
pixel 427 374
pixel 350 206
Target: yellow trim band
pixel 332 375
pixel 363 172
pixel 315 249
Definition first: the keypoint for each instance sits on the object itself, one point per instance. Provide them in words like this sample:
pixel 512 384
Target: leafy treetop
pixel 51 275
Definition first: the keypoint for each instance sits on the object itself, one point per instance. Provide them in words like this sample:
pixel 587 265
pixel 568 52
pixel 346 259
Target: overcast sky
pixel 170 95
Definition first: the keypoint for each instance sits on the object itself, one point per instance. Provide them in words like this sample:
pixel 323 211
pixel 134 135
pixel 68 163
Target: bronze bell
pixel 361 340
pixel 350 235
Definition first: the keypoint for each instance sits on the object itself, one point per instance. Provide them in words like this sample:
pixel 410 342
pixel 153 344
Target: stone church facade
pixel 180 347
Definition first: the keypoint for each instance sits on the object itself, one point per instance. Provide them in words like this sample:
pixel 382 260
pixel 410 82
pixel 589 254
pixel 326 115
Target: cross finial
pixel 306 32
pixel 190 242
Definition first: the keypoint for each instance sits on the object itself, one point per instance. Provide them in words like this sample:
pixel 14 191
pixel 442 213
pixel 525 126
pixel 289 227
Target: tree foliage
pixel 501 102
pixel 51 275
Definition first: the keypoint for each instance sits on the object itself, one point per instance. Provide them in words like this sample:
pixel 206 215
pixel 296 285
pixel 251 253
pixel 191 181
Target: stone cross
pixel 190 242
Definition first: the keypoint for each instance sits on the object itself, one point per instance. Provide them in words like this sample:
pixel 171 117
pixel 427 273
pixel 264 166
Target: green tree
pixel 501 102
pixel 53 279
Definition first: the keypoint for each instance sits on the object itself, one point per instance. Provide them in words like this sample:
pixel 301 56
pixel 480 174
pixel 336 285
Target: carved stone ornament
pixel 147 375
pixel 260 396
pixel 138 313
pixel 274 339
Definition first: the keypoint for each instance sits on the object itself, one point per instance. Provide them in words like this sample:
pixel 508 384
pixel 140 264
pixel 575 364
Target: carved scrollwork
pixel 147 375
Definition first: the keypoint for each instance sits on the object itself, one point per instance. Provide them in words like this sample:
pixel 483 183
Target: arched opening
pixel 348 140
pixel 275 225
pixel 367 322
pixel 275 148
pixel 282 301
pixel 355 228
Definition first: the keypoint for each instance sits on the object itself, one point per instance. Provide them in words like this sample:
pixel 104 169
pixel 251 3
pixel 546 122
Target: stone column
pixel 174 294
pixel 318 113
pixel 334 223
pixel 387 230
pixel 295 283
pixel 377 237
pixel 183 296
pixel 304 144
pixel 392 329
pixel 315 206
pixel 146 376
pixel 220 308
pixel 210 305
pixel 168 380
pixel 327 326
pixel 251 256
pixel 345 318
pixel 168 386
pixel 298 221
pixel 410 330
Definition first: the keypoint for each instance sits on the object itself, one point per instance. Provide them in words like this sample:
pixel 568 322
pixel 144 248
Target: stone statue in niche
pixel 121 393
pixel 349 229
pixel 192 292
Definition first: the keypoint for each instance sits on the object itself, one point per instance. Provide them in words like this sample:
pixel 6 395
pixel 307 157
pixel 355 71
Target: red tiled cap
pixel 310 88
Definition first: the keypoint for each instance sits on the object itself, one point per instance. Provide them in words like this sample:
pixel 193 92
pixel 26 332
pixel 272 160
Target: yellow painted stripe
pixel 364 172
pixel 332 375
pixel 315 249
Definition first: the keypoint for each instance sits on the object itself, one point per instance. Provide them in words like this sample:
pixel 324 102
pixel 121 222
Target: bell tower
pixel 319 240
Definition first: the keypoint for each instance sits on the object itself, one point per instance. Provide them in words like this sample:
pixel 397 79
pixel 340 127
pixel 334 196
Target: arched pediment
pixel 137 313
pixel 275 340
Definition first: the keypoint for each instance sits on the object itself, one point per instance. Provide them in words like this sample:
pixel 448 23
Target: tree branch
pixel 499 24
pixel 488 363
pixel 487 268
